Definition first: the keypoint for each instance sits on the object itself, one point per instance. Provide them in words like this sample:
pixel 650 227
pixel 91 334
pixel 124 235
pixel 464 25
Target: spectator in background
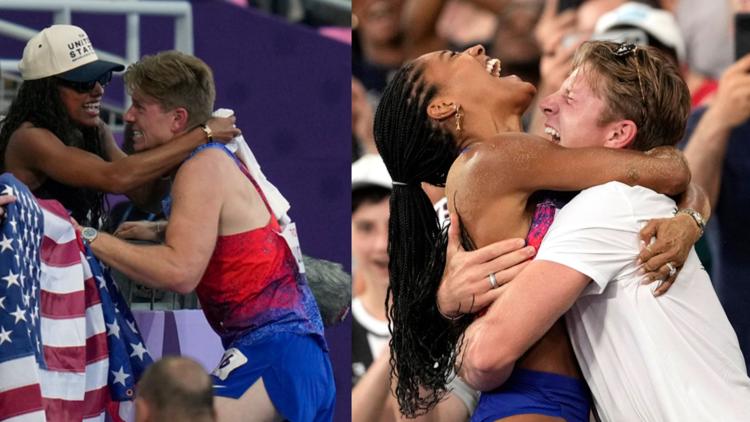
pixel 175 388
pixel 501 25
pixel 377 44
pixel 371 396
pixel 53 140
pixel 514 42
pixel 363 141
pixel 707 30
pixel 718 153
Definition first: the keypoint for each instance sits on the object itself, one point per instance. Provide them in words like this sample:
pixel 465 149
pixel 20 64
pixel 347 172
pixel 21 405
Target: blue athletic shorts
pixel 295 370
pixel 538 393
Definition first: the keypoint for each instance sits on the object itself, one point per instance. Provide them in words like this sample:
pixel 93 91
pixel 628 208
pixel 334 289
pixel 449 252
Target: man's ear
pixel 180 120
pixel 621 134
pixel 441 108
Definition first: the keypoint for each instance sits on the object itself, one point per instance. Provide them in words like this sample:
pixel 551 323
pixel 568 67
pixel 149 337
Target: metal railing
pixel 181 11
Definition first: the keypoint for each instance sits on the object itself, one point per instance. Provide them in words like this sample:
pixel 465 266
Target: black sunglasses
pixel 82 87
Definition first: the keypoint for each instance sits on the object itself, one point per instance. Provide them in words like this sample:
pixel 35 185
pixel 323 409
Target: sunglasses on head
pixel 82 87
pixel 625 50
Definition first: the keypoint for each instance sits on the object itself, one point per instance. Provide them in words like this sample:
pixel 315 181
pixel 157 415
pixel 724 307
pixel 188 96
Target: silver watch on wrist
pixel 89 234
pixel 697 217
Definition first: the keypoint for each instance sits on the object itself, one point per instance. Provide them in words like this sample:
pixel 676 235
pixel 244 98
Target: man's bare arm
pixel 179 263
pixel 521 315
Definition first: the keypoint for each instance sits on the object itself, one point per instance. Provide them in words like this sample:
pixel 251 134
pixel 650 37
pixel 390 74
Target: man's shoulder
pixel 205 159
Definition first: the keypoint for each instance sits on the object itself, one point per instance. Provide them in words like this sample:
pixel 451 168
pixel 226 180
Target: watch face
pixel 88 233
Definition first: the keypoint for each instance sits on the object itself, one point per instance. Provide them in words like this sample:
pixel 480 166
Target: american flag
pixel 21 358
pixel 90 354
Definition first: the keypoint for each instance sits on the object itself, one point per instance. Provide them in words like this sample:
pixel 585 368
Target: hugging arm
pixel 523 312
pixel 669 240
pixel 537 164
pixel 596 220
pixel 527 163
pixel 40 151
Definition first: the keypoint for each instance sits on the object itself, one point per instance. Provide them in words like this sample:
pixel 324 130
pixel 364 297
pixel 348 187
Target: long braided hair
pixel 38 102
pixel 415 149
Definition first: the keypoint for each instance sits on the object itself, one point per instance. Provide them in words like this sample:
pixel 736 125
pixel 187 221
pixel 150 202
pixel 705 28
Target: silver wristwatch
pixel 696 216
pixel 89 234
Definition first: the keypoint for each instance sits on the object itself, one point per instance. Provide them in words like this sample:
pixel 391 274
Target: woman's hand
pixel 223 129
pixel 141 230
pixel 665 245
pixel 466 286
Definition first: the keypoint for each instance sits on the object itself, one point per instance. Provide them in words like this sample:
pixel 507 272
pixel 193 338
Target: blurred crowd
pixel 536 40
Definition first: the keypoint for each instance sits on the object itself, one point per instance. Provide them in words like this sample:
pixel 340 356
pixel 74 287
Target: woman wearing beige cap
pixel 53 139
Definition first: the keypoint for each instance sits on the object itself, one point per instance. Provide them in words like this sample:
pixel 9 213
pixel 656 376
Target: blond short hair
pixel 175 79
pixel 642 85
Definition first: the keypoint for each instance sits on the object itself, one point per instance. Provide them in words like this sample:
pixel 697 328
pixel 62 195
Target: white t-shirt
pixel 671 358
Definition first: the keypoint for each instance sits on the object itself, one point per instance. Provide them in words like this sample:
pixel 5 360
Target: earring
pixel 459 115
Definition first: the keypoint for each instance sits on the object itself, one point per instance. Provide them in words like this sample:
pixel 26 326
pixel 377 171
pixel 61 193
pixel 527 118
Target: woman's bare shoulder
pixel 29 138
pixel 28 131
pixel 500 153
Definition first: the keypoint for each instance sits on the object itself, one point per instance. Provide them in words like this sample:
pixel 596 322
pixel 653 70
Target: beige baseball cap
pixel 64 51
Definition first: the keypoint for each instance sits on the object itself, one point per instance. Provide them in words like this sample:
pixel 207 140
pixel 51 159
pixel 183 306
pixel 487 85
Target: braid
pixel 415 150
pixel 38 102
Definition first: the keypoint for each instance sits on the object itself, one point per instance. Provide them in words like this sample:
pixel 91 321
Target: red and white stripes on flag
pixel 50 287
pixel 74 338
pixel 63 323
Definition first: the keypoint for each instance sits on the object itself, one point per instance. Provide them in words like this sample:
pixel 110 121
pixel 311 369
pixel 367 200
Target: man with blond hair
pixel 223 241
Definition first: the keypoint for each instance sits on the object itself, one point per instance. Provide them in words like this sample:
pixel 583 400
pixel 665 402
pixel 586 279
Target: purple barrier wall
pixel 290 89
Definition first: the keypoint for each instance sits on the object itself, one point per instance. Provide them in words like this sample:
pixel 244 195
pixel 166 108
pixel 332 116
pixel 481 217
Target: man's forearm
pixel 705 153
pixel 476 370
pixel 527 308
pixel 157 266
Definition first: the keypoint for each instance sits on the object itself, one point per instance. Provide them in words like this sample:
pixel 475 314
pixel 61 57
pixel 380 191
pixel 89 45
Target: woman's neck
pixel 489 123
pixel 511 123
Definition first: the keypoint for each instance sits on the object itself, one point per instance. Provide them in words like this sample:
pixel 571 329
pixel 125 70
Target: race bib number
pixel 292 240
pixel 231 360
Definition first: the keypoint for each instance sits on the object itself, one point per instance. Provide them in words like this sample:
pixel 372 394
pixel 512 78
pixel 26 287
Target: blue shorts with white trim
pixel 296 373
